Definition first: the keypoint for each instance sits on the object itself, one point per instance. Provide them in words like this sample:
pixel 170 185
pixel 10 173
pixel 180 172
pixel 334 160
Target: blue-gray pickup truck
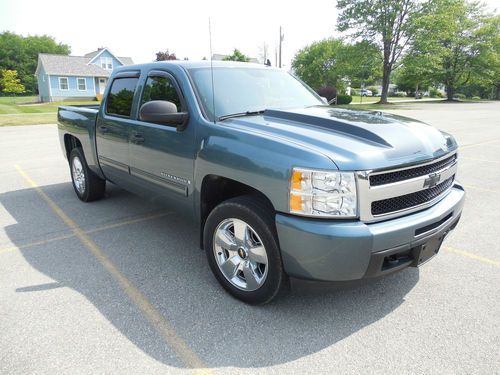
pixel 281 184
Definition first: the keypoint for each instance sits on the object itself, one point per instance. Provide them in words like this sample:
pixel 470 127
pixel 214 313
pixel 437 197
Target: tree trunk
pixel 497 93
pixel 450 91
pixel 385 84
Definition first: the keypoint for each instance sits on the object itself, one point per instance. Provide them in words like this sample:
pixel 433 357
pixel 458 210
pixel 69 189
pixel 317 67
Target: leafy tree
pixel 9 83
pixel 331 62
pixel 454 44
pixel 236 56
pixel 488 61
pixel 165 56
pixel 386 23
pixel 318 63
pixel 21 54
pixel 414 74
pixel 361 63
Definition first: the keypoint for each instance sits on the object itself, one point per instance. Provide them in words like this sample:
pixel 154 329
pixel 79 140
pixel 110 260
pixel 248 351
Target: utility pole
pixel 281 40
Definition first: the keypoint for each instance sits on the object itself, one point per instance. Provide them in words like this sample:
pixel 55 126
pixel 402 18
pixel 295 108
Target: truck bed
pixel 80 121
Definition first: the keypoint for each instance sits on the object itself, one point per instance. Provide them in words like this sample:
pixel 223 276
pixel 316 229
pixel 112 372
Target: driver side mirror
pixel 164 113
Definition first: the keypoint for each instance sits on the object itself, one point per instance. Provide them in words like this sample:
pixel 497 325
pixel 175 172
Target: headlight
pixel 323 193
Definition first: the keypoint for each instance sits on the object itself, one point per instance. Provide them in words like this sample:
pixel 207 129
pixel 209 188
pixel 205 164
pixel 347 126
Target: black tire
pixel 260 217
pixel 93 187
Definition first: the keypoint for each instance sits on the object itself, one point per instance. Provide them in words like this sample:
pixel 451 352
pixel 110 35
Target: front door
pixel 113 127
pixel 102 85
pixel 161 157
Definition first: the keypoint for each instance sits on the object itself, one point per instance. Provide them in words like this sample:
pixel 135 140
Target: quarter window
pixel 63 83
pixel 82 84
pixel 160 88
pixel 120 97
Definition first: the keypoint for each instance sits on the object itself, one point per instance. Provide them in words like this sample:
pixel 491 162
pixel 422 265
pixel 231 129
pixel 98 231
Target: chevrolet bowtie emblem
pixel 432 180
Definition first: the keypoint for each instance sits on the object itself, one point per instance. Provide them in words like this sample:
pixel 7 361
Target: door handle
pixel 103 129
pixel 137 138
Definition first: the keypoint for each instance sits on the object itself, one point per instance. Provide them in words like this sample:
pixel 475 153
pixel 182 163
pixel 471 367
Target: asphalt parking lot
pixel 120 286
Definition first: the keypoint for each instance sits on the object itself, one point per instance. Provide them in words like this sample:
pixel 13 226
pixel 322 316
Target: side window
pixel 160 88
pixel 120 97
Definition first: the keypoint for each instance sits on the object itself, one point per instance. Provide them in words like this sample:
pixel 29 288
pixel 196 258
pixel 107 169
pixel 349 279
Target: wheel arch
pixel 216 189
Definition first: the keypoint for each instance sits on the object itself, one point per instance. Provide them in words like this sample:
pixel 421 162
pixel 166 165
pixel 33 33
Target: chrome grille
pixel 406 174
pixel 391 193
pixel 410 200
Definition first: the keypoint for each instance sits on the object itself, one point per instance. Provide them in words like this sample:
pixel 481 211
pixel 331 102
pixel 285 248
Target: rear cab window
pixel 121 96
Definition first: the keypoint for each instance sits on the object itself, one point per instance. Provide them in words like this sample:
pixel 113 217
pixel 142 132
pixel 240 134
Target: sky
pixel 139 29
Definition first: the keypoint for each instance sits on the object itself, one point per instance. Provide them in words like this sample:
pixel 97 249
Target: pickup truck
pixel 280 184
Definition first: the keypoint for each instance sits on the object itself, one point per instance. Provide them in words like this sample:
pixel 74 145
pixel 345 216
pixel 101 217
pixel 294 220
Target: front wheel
pixel 88 187
pixel 242 249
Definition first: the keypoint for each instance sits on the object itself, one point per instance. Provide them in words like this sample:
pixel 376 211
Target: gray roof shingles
pixel 75 65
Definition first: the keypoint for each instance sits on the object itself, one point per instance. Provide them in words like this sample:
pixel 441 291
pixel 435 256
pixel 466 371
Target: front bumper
pixel 332 250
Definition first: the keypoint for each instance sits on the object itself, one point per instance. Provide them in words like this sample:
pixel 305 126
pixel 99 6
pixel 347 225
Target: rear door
pixel 161 156
pixel 113 127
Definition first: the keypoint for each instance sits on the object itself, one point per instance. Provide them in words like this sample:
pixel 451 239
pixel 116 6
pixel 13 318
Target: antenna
pixel 211 67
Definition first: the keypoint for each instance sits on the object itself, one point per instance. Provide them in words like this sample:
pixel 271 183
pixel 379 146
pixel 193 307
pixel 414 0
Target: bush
pixel 327 92
pixel 344 99
pixel 459 96
pixel 476 98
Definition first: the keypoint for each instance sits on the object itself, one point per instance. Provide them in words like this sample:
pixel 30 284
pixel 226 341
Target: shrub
pixel 459 96
pixel 344 99
pixel 476 98
pixel 327 92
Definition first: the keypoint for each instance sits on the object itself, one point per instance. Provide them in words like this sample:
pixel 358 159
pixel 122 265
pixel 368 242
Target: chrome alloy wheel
pixel 78 175
pixel 240 254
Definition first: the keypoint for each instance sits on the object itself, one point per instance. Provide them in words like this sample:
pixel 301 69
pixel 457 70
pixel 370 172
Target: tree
pixel 488 61
pixel 331 62
pixel 361 63
pixel 165 56
pixel 387 23
pixel 21 54
pixel 9 83
pixel 236 56
pixel 454 44
pixel 318 63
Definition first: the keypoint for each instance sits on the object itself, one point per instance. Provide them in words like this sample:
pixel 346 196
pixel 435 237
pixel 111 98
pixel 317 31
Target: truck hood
pixel 353 139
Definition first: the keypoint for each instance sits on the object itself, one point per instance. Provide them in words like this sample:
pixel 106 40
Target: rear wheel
pixel 88 186
pixel 242 249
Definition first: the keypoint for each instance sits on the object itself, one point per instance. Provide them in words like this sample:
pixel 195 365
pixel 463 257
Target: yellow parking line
pixel 467 186
pixel 477 159
pixel 91 231
pixel 495 263
pixel 478 144
pixel 162 326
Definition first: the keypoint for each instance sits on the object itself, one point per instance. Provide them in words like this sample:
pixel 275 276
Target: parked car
pixel 280 184
pixel 365 92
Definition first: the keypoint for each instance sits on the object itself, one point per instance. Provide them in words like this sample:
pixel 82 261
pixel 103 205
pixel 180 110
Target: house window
pixel 82 84
pixel 107 63
pixel 63 83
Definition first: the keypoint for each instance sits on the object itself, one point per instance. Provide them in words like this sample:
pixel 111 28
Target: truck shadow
pixel 161 257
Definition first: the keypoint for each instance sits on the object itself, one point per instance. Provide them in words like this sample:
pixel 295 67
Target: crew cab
pixel 280 184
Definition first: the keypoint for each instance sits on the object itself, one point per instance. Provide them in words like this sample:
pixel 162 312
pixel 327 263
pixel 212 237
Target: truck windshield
pixel 249 90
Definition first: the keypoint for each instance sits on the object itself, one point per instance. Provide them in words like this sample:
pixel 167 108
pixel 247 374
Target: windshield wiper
pixel 241 114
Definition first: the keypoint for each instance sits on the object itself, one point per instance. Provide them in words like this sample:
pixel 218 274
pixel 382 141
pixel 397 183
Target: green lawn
pixel 375 99
pixel 24 110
